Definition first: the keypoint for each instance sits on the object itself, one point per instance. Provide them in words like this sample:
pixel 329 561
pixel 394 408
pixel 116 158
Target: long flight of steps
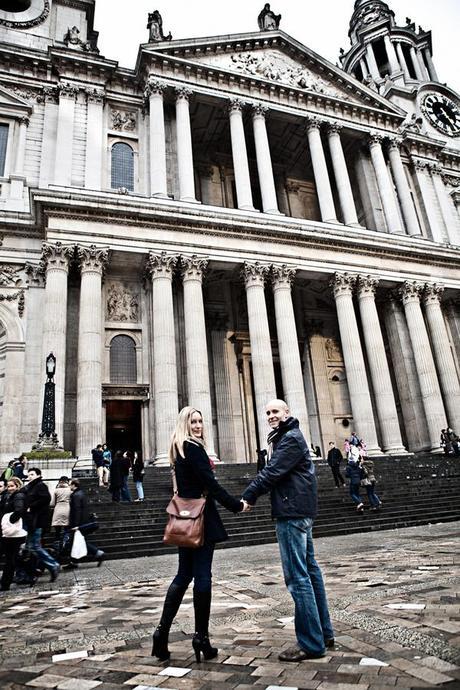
pixel 415 490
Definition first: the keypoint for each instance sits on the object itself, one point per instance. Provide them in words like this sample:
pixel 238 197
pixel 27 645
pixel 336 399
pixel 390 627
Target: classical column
pixel 364 67
pixel 264 160
pixel 431 68
pixel 452 308
pixel 372 62
pixel 378 365
pixel 385 186
pixel 196 348
pixel 288 345
pixel 160 267
pixel 95 139
pixel 402 187
pixel 93 261
pixel 49 136
pixel 424 183
pixel 56 259
pixel 64 135
pixel 261 350
pixel 416 62
pixel 391 53
pixel 447 372
pixel 184 146
pixel 157 138
pixel 424 362
pixel 318 159
pixel 361 405
pixel 447 209
pixel 342 177
pixel 402 61
pixel 240 156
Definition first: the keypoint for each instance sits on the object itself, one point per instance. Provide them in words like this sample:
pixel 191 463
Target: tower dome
pixel 367 13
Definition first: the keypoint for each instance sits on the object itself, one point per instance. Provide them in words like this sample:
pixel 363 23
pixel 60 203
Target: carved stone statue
pixel 268 20
pixel 72 38
pixel 333 350
pixel 155 27
pixel 414 124
pixel 122 304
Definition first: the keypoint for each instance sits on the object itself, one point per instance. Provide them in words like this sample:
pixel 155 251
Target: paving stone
pixel 78 684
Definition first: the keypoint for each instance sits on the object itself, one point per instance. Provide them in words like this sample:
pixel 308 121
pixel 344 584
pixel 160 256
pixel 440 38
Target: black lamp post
pixel 47 437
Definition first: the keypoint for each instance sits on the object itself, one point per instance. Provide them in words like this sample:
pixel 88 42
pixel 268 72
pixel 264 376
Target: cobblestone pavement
pixel 394 600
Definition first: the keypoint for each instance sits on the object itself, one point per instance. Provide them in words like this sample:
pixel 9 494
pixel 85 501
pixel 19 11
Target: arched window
pixel 123 367
pixel 122 166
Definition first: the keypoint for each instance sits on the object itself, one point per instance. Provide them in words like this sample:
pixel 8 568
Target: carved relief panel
pixel 122 303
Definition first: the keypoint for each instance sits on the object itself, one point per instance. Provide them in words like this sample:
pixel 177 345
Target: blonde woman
pixel 195 477
pixel 12 511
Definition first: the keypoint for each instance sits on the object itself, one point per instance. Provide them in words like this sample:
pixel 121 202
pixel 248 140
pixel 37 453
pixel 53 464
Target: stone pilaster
pixel 160 268
pixel 254 275
pixel 424 362
pixel 56 258
pixel 447 372
pixel 342 177
pixel 384 184
pixel 402 187
pixel 184 146
pixel 92 261
pixel 288 344
pixel 154 91
pixel 342 285
pixel 447 208
pixel 196 349
pixel 64 134
pixel 323 185
pixel 264 160
pixel 378 365
pixel 240 156
pixel 416 62
pixel 47 158
pixel 372 62
pixel 95 138
pixel 425 184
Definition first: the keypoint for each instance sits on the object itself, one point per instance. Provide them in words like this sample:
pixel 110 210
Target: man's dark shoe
pixel 54 573
pixel 297 654
pixel 329 643
pixel 70 566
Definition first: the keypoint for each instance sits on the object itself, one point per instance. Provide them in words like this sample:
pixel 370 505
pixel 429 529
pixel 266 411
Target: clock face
pixel 443 113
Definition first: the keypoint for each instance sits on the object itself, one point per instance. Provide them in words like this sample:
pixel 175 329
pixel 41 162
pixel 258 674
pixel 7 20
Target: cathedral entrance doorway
pixel 123 425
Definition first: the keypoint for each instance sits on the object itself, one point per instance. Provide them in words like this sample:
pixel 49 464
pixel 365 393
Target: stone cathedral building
pixel 234 219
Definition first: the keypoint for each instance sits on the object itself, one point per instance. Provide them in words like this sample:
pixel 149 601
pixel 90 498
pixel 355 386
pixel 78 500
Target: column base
pixel 162 461
pixel 189 200
pixel 436 450
pixel 159 195
pixel 248 208
pixel 373 452
pixel 397 450
pixel 355 225
pixel 332 220
pixel 274 212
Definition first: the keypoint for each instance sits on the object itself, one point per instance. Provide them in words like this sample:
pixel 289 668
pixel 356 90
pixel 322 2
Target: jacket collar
pixel 283 427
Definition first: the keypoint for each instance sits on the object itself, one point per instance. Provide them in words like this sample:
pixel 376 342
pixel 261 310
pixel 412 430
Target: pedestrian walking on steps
pixel 13 534
pixel 37 505
pixel 101 468
pixel 334 458
pixel 138 477
pixel 354 473
pixel 369 481
pixel 60 503
pixel 195 478
pixel 80 518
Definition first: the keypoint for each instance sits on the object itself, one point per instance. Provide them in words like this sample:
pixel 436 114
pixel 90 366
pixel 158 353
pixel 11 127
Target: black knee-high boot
pixel 173 600
pixel 200 642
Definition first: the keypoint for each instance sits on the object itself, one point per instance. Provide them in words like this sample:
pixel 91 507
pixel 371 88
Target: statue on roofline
pixel 155 27
pixel 268 20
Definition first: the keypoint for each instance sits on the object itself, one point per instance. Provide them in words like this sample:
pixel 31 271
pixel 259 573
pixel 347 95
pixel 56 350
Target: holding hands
pixel 246 506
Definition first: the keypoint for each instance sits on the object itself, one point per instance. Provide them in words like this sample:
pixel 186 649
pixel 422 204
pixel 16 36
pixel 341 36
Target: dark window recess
pixel 122 166
pixel 123 367
pixel 3 144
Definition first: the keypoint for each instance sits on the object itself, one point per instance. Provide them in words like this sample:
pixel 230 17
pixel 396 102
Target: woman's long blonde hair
pixel 183 432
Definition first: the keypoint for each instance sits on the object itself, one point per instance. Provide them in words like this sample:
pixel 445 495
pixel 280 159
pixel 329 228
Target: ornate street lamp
pixel 47 437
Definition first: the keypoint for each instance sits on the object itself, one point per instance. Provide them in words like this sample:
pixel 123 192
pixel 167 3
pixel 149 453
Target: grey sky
pixel 322 26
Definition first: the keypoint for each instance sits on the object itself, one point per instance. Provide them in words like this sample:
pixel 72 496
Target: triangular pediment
pixel 275 58
pixel 12 102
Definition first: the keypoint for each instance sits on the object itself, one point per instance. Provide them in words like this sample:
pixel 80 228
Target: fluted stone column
pixel 361 405
pixel 447 372
pixel 64 135
pixel 160 267
pixel 392 59
pixel 424 182
pixel 384 184
pixel 261 350
pixel 402 61
pixel 93 261
pixel 424 362
pixel 56 258
pixel 240 156
pixel 264 160
pixel 447 209
pixel 431 68
pixel 157 138
pixel 196 349
pixel 372 62
pixel 342 177
pixel 184 146
pixel 402 187
pixel 95 139
pixel 323 185
pixel 288 345
pixel 378 365
pixel 416 62
pixel 452 308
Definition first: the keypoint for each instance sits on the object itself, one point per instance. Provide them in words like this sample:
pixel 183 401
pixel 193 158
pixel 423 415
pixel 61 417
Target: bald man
pixel 290 477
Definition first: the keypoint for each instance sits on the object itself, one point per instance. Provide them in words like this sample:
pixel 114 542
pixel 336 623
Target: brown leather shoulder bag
pixel 185 526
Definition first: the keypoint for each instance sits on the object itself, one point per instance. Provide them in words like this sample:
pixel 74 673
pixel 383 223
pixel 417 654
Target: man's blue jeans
pixel 34 543
pixel 304 581
pixel 125 495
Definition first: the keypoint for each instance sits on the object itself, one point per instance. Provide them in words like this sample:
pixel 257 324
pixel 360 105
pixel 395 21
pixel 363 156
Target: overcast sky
pixel 322 26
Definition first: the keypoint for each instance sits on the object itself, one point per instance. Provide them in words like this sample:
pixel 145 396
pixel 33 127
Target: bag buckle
pixel 184 513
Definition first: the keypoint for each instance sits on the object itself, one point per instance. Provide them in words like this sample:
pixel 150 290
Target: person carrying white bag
pixel 81 523
pixel 12 531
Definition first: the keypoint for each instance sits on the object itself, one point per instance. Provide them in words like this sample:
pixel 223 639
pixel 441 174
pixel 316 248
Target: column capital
pixel 343 284
pixel 410 291
pixel 93 259
pixel 334 128
pixel 394 143
pixel 235 105
pixel 312 123
pixel 367 286
pixel 436 169
pixel 182 93
pixel 94 95
pixel 25 120
pixel 193 267
pixel 259 110
pixel 57 256
pixel 421 165
pixel 49 94
pixel 67 91
pixel 282 276
pixel 154 87
pixel 254 274
pixel 432 293
pixel 35 273
pixel 161 265
pixel 375 139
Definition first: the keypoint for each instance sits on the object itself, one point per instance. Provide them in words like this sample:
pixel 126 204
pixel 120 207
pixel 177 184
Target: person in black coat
pixel 81 518
pixel 334 458
pixel 138 477
pixel 37 503
pixel 15 506
pixel 116 475
pixel 195 478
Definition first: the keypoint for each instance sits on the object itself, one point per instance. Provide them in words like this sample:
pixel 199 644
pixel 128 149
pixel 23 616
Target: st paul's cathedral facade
pixel 233 220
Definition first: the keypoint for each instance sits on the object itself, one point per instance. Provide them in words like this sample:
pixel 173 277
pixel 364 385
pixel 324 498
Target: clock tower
pixel 397 61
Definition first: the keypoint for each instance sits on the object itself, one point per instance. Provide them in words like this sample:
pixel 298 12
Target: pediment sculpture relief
pixel 123 121
pixel 122 304
pixel 10 275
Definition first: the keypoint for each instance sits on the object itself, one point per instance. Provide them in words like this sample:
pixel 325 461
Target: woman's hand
pixel 246 507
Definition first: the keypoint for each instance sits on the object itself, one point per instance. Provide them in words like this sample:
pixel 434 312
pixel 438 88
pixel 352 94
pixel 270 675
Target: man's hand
pixel 246 507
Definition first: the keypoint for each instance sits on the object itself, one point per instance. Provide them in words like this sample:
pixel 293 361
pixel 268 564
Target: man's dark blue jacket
pixel 289 475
